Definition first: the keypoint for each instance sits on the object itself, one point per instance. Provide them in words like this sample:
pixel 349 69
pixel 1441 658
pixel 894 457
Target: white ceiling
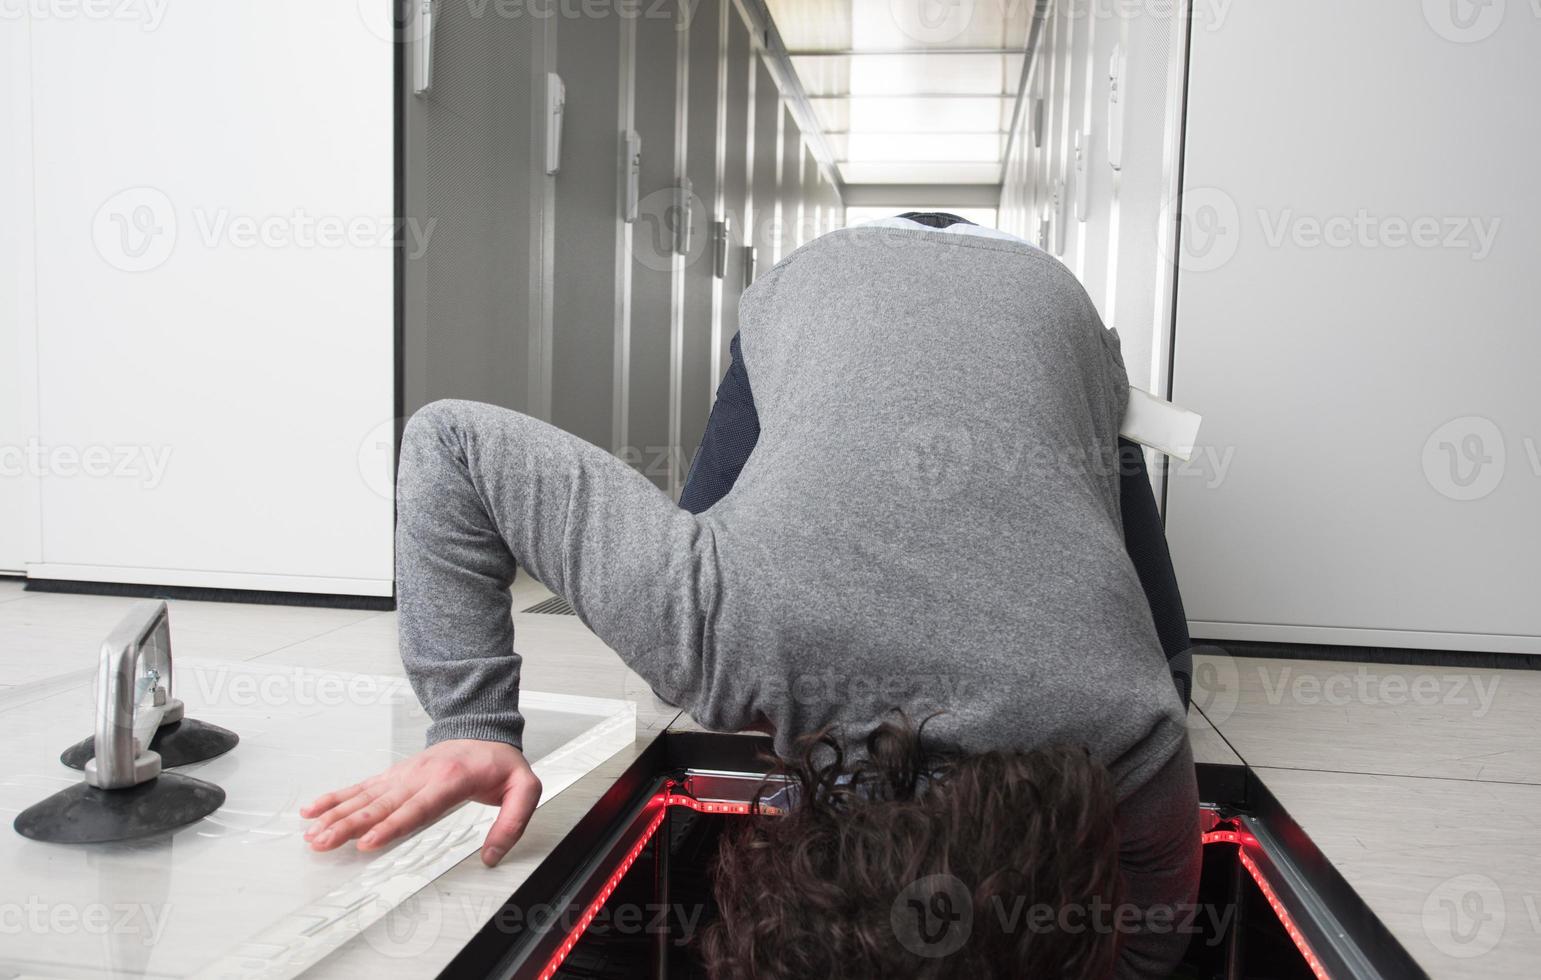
pixel 909 91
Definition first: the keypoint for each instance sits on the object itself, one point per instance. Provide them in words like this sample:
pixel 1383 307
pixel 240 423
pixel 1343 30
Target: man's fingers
pixel 344 808
pixel 428 805
pixel 326 801
pixel 349 827
pixel 519 802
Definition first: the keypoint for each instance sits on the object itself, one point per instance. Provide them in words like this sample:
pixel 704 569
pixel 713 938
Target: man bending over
pixel 929 523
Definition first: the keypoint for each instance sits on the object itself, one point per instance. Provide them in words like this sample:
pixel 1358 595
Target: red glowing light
pixel 1285 919
pixel 670 798
pixel 663 800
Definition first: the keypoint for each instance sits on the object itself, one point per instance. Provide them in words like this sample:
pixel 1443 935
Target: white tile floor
pixel 44 635
pixel 1450 866
pixel 1374 718
pixel 1422 785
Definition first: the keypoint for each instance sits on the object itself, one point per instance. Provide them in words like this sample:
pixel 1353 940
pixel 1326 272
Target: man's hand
pixel 417 791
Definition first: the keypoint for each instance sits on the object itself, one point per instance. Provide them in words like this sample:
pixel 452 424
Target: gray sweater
pixel 930 518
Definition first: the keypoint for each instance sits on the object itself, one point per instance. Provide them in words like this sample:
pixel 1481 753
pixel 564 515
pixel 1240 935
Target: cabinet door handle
pixel 422 68
pixel 633 176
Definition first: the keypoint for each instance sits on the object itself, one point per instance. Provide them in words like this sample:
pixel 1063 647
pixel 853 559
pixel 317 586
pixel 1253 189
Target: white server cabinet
pixel 1356 321
pixel 214 317
pixel 265 232
pixel 19 462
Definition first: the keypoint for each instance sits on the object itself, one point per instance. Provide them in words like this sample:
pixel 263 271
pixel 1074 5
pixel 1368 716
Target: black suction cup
pixel 84 814
pixel 180 743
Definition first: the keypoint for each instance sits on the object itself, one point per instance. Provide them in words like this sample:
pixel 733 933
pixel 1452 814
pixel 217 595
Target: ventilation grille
pixel 554 606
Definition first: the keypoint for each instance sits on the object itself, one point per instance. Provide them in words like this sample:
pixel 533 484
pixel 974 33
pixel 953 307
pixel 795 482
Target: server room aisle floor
pixel 1421 785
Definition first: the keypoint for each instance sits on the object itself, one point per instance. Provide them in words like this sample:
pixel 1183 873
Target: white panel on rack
pixel 1356 322
pixel 214 197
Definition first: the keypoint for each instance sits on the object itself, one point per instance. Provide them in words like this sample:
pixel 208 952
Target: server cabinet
pixel 1356 321
pixel 738 130
pixel 815 196
pixel 19 512
pixel 215 216
pixel 1093 190
pixel 1150 74
pixel 591 243
pixel 656 266
pixel 789 189
pixel 299 237
pixel 765 169
pixel 703 109
pixel 473 176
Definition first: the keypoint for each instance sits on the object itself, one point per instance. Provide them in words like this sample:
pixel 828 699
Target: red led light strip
pixel 594 906
pixel 707 806
pixel 665 800
pixel 1285 919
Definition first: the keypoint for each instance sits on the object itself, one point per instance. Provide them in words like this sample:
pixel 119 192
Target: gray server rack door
pixel 814 189
pixel 649 445
pixel 471 183
pixel 741 65
pixel 789 191
pixel 766 167
pixel 588 242
pixel 704 98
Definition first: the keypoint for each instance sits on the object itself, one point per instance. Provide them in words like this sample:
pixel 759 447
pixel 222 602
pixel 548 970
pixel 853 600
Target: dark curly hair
pixel 907 864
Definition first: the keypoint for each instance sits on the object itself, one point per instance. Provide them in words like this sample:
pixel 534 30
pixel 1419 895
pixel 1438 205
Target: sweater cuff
pixel 507 727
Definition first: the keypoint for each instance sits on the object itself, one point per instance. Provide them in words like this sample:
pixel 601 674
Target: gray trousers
pixel 482 490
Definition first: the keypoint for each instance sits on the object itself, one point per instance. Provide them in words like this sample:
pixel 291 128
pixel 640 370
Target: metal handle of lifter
pixel 135 668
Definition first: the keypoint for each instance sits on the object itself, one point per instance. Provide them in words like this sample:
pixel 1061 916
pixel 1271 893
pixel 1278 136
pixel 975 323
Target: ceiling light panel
pixel 891 24
pixel 923 147
pixel 946 114
pixel 819 25
pixel 855 172
pixel 903 74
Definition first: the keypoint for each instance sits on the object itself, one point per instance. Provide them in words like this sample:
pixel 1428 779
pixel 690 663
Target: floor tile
pixel 559 654
pixel 1376 718
pixel 526 591
pixel 43 634
pixel 1450 866
pixel 1208 745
